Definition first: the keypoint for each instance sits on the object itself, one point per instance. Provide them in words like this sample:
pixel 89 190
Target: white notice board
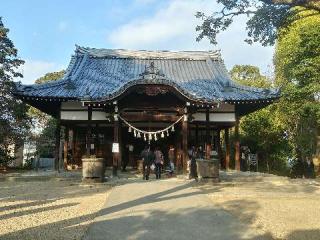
pixel 115 147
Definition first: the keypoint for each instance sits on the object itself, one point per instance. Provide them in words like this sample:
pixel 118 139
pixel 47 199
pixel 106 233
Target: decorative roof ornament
pixel 151 72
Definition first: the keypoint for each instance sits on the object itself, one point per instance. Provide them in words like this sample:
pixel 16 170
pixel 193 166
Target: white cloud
pixel 173 28
pixel 33 69
pixel 169 23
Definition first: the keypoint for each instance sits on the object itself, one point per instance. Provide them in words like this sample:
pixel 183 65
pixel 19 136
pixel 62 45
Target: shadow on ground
pixel 207 224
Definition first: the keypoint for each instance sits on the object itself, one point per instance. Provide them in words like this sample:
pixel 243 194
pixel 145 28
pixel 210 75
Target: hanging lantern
pixel 135 133
pixel 138 135
pixel 130 129
pixel 155 137
pixel 172 129
pixel 167 133
pixel 162 134
pixel 145 137
pixel 150 136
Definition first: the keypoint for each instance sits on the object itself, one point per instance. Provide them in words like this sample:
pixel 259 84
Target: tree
pixel 40 119
pixel 297 63
pixel 250 76
pixel 262 131
pixel 52 76
pixel 266 17
pixel 14 121
pixel 44 122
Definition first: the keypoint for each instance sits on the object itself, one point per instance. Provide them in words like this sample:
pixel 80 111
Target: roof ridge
pixel 149 54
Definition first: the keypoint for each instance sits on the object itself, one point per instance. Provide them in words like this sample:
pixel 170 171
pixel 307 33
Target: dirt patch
pixel 48 210
pixel 285 209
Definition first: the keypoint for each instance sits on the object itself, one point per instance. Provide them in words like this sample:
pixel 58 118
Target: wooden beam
pixel 237 146
pixel 145 117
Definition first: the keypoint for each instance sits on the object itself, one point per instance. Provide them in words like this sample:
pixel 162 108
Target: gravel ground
pixel 282 208
pixel 48 209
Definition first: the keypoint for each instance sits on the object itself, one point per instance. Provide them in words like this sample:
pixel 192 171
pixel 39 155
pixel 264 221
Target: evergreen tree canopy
pixel 14 122
pixel 262 131
pixel 44 122
pixel 250 76
pixel 297 63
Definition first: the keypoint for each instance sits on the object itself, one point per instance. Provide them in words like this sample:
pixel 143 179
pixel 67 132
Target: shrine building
pixel 110 100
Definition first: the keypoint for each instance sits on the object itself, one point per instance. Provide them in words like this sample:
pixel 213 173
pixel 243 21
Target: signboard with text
pixel 115 147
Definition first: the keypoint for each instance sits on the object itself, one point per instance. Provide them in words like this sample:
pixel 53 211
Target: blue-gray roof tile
pixel 105 73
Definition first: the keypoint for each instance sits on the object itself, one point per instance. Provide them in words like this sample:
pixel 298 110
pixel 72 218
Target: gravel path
pixel 166 209
pixel 242 206
pixel 48 210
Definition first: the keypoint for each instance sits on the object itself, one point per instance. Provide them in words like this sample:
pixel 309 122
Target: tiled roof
pixel 106 73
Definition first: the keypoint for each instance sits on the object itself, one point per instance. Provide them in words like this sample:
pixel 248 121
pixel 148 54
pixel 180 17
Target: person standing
pixel 193 165
pixel 158 162
pixel 148 158
pixel 200 153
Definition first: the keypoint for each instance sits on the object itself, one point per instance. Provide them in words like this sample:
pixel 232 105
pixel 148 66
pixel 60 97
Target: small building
pixel 111 101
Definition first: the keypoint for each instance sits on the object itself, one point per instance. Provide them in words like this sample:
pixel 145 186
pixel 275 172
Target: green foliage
pixel 266 17
pixel 250 76
pixel 14 122
pixel 287 129
pixel 45 140
pixel 297 62
pixel 41 119
pixel 262 131
pixel 50 77
pixel 47 124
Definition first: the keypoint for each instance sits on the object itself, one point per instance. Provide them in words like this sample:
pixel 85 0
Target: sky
pixel 46 32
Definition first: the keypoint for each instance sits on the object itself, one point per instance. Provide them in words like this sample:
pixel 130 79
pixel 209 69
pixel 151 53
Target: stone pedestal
pixel 208 169
pixel 93 169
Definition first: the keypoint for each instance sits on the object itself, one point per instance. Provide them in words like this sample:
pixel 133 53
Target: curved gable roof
pixel 102 74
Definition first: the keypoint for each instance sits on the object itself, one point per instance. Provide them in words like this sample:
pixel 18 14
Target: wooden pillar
pixel 237 146
pixel 96 142
pixel 116 155
pixel 219 149
pixel 208 146
pixel 72 140
pixel 61 151
pixel 227 142
pixel 89 132
pixel 65 147
pixel 185 141
pixel 57 144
